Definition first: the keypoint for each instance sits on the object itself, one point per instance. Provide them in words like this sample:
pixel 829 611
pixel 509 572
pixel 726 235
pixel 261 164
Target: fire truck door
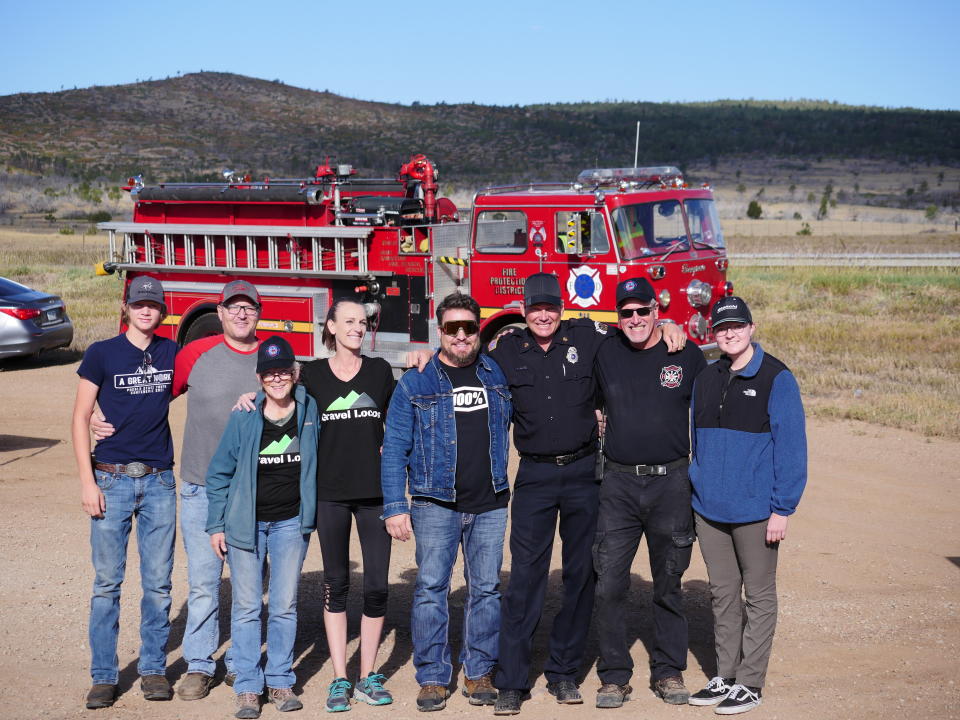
pixel 419 310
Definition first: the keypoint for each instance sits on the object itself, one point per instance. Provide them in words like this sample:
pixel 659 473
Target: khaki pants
pixel 738 557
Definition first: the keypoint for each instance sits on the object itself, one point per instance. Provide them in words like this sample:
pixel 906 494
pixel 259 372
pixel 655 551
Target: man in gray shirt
pixel 216 370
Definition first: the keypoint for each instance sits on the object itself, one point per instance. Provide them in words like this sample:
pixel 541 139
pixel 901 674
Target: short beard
pixel 462 361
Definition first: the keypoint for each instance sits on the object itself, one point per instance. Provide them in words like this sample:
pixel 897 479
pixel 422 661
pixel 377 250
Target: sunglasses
pixel 641 311
pixel 452 327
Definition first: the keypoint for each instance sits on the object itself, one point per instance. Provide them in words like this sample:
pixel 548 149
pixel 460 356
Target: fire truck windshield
pixel 648 228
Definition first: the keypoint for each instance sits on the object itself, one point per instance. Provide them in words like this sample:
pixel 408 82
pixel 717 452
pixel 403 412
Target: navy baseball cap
pixel 730 309
pixel 239 287
pixel 635 289
pixel 144 287
pixel 541 288
pixel 274 353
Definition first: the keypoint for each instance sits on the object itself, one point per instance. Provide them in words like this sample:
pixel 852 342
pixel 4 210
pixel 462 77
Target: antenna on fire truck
pixel 636 147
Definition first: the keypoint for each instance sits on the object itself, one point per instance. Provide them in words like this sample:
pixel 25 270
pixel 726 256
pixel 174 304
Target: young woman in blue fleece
pixel 748 470
pixel 262 502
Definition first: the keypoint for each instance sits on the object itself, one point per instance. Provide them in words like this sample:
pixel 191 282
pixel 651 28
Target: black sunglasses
pixel 641 311
pixel 452 327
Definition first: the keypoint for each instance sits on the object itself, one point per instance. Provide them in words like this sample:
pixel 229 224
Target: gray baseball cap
pixel 144 287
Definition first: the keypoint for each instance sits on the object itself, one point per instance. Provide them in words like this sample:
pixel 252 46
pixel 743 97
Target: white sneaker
pixel 740 700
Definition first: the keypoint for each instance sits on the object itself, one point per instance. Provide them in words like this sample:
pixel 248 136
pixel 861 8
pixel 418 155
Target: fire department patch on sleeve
pixel 671 376
pixel 601 327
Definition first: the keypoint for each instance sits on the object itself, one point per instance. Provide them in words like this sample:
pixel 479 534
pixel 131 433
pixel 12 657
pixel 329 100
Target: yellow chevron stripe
pixel 267 325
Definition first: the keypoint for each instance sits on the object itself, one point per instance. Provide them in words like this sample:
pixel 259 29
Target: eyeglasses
pixel 235 310
pixel 641 311
pixel 276 375
pixel 730 328
pixel 452 327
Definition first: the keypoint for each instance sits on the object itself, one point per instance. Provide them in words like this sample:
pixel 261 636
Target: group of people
pixel 622 432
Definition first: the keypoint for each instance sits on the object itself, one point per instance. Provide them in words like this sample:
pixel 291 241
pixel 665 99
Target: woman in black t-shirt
pixel 352 393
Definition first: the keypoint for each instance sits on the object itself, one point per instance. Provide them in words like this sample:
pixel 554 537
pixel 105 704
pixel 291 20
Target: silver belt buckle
pixel 136 469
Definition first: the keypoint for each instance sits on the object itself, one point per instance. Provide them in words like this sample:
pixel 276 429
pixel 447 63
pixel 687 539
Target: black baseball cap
pixel 635 289
pixel 144 287
pixel 274 353
pixel 730 309
pixel 541 288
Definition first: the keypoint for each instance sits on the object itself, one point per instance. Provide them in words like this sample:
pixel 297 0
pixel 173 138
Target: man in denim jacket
pixel 447 438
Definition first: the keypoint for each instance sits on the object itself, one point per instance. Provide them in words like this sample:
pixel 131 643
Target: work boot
pixel 481 690
pixel 155 687
pixel 508 702
pixel 611 695
pixel 565 691
pixel 432 697
pixel 194 686
pixel 284 699
pixel 672 691
pixel 101 696
pixel 248 706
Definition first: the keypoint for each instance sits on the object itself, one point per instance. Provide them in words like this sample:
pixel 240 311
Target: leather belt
pixel 134 469
pixel 647 469
pixel 561 460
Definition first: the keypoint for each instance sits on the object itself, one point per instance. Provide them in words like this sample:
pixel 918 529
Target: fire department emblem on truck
pixel 671 375
pixel 584 286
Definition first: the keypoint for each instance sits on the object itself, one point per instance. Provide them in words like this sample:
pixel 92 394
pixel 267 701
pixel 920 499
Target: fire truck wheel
pixel 203 326
pixel 489 334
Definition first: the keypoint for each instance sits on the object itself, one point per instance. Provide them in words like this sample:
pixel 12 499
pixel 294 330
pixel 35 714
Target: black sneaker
pixel 508 702
pixel 740 699
pixel 715 691
pixel 565 691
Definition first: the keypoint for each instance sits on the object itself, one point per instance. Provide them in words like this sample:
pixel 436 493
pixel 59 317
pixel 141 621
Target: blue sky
pixel 502 52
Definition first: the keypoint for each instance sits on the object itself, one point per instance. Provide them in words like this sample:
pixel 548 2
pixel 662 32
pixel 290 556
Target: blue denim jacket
pixel 420 439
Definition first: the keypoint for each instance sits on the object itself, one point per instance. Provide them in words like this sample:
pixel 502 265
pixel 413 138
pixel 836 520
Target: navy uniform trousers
pixel 541 493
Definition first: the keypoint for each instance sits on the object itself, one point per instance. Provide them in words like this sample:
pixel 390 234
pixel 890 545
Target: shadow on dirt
pixel 15 443
pixel 48 358
pixel 311 645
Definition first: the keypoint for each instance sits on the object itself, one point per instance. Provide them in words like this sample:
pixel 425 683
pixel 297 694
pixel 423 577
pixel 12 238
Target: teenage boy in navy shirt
pixel 129 475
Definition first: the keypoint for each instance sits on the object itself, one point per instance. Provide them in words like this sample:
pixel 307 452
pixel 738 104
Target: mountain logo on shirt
pixel 282 451
pixel 278 447
pixel 351 407
pixel 671 376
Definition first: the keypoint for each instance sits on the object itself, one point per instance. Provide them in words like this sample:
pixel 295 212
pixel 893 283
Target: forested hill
pixel 192 126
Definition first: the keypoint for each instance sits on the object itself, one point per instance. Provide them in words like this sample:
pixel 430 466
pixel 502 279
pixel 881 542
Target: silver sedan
pixel 31 321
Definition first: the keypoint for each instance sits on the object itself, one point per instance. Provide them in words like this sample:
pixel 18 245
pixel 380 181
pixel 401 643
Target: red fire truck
pixel 399 248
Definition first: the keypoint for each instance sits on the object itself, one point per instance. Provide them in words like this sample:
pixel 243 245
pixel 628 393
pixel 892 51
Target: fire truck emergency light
pixel 612 176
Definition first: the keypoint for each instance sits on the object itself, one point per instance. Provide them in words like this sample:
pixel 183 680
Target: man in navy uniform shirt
pixel 549 367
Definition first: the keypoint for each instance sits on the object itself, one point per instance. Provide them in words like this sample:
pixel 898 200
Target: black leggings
pixel 333 529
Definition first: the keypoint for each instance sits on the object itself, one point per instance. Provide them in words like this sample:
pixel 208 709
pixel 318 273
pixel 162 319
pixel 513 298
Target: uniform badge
pixel 572 355
pixel 601 327
pixel 671 376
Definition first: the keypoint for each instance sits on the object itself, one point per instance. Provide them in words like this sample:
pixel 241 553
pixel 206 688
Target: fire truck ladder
pixel 289 251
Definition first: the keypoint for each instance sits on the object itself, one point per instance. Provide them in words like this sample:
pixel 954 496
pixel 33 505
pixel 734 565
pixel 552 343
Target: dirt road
pixel 869 587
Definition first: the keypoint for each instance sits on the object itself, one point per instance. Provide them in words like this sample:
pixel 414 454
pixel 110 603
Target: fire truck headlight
pixel 664 298
pixel 699 293
pixel 697 326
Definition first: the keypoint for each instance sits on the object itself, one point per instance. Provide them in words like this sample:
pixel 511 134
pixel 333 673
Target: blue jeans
pixel 439 532
pixel 286 547
pixel 201 638
pixel 152 499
